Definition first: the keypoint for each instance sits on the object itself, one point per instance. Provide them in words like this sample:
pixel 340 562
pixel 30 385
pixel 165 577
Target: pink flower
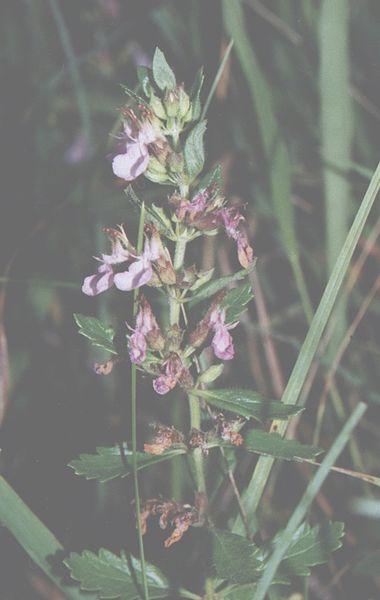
pixel 134 158
pixel 137 347
pixel 147 333
pixel 222 342
pixel 137 274
pixel 231 218
pixel 175 372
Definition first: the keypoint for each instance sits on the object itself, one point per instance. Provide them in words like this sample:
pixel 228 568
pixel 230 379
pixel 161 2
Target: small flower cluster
pixel 175 514
pixel 225 430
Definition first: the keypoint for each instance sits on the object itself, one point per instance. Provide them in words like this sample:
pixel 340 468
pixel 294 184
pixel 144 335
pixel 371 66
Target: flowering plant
pixel 185 349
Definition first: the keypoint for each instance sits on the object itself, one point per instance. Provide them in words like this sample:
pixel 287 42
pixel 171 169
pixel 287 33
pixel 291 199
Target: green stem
pixel 174 305
pixel 195 411
pixel 134 428
pixel 195 423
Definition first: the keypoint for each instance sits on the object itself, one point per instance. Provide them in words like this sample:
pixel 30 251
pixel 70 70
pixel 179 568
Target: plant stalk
pixel 195 411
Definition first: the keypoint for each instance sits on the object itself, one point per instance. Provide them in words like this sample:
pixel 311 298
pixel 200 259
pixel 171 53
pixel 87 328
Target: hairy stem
pixel 195 411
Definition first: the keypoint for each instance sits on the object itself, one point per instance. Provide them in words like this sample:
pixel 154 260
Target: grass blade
pixel 309 348
pixel 336 131
pixel 275 151
pixel 217 79
pixel 36 539
pixel 78 86
pixel 301 509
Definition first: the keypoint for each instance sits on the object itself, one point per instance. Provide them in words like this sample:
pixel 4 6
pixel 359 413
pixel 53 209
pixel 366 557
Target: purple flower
pixel 147 333
pixel 222 343
pixel 133 160
pixel 99 282
pixel 138 273
pixel 175 372
pixel 137 347
pixel 231 219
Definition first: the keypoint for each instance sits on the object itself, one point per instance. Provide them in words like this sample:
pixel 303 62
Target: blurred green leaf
pixel 247 403
pixel 108 463
pixel 193 151
pixel 98 333
pixel 144 76
pixel 235 302
pixel 195 93
pixel 212 178
pixel 162 73
pixel 273 444
pixel 210 289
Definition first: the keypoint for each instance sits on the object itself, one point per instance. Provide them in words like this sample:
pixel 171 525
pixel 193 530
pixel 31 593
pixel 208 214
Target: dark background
pixel 61 66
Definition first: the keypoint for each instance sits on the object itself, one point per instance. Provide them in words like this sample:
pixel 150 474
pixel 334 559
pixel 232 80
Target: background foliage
pixel 301 161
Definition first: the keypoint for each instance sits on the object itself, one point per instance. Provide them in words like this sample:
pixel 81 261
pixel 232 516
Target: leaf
pixel 162 73
pixel 194 151
pixel 132 94
pixel 110 575
pixel 36 539
pixel 310 546
pixel 213 177
pixel 235 302
pixel 235 558
pixel 195 94
pixel 247 403
pixel 274 445
pixel 240 592
pixel 238 560
pixel 108 463
pixel 153 214
pixel 209 289
pixel 144 76
pixel 97 332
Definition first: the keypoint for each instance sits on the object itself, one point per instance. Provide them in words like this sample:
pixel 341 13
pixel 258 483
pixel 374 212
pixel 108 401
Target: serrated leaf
pixel 193 151
pixel 239 561
pixel 273 444
pixel 98 333
pixel 144 75
pixel 311 546
pixel 235 558
pixel 108 463
pixel 110 575
pixel 210 289
pixel 235 302
pixel 195 94
pixel 162 73
pixel 247 403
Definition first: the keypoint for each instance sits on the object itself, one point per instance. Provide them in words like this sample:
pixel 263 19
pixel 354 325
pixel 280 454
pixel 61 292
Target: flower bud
pixel 157 107
pixel 173 339
pixel 211 374
pixel 171 103
pixel 184 103
pixel 175 162
pixel 156 172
